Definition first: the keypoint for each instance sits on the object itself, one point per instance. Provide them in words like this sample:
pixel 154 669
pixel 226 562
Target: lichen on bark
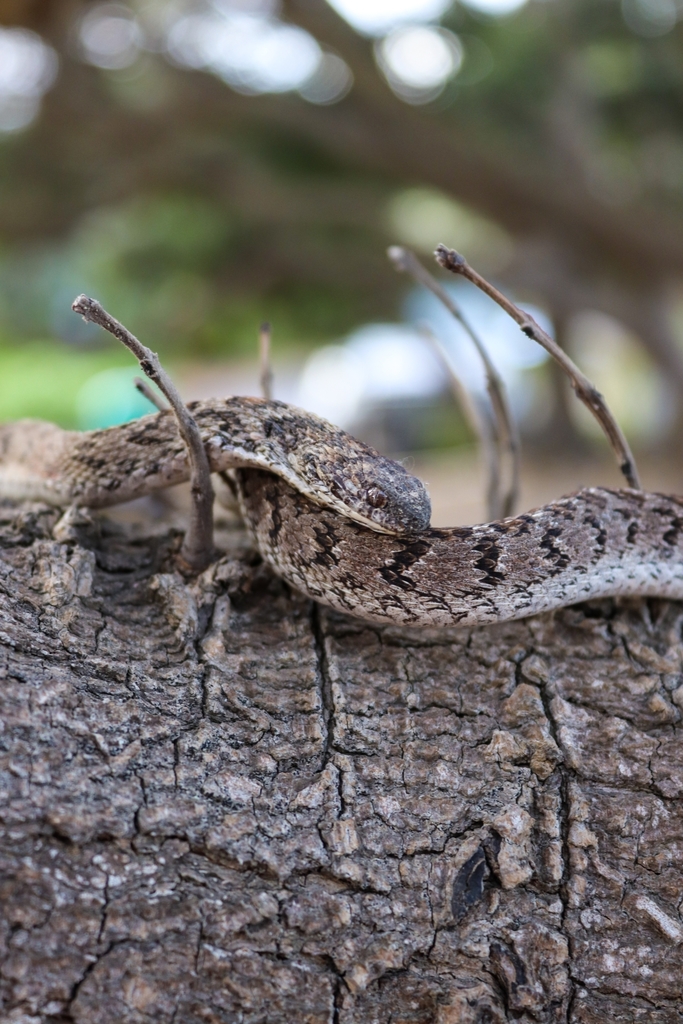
pixel 221 803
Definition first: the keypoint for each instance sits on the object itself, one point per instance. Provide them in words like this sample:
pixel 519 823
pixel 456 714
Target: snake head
pixel 327 465
pixel 376 492
pixel 394 501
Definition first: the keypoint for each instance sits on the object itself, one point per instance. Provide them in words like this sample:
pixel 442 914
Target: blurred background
pixel 200 166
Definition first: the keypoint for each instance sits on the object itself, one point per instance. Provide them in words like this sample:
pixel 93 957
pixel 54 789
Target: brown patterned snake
pixel 351 529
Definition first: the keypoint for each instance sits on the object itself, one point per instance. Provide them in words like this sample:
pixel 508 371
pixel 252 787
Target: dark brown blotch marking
pixel 326 538
pixel 490 555
pixel 273 498
pixel 601 533
pixel 402 561
pixel 553 553
pixel 522 525
pixel 671 536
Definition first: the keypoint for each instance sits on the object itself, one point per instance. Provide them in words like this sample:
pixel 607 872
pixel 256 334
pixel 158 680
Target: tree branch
pixel 197 549
pixel 150 395
pixel 478 419
pixel 585 390
pixel 506 432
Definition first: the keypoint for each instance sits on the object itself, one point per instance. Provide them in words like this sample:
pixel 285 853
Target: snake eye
pixel 377 498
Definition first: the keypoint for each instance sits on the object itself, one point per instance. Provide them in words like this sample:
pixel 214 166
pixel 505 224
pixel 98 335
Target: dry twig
pixel 149 394
pixel 505 432
pixel 266 378
pixel 585 390
pixel 477 418
pixel 197 549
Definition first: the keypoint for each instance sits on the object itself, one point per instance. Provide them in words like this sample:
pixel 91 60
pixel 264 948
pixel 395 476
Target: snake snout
pixel 398 501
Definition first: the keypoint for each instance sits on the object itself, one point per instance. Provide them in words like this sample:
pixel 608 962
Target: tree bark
pixel 222 803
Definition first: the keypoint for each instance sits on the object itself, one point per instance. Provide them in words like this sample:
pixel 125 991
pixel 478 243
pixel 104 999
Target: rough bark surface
pixel 221 803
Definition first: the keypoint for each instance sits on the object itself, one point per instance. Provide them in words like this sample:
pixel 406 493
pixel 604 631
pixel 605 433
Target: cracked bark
pixel 222 804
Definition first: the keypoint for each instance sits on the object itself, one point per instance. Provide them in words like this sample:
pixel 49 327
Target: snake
pixel 350 528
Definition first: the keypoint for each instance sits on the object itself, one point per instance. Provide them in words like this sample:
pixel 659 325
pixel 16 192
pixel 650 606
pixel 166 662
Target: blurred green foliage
pixel 623 86
pixel 158 262
pixel 42 379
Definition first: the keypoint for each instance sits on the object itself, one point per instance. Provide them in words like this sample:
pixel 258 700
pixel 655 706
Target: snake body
pixel 350 528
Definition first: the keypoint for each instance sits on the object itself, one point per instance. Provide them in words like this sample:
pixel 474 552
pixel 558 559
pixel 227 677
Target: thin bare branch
pixel 585 390
pixel 197 549
pixel 149 394
pixel 478 420
pixel 264 354
pixel 506 432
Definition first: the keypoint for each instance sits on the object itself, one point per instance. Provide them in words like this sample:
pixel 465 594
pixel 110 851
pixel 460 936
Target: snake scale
pixel 350 528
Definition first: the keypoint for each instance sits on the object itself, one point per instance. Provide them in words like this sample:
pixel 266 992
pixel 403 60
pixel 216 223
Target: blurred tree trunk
pixel 222 803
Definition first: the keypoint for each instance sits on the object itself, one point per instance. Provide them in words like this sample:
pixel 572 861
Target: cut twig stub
pixel 585 390
pixel 197 549
pixel 266 373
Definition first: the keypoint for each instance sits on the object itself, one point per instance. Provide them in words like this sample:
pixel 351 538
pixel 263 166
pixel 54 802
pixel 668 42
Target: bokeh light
pixel 110 37
pixel 650 18
pixel 28 67
pixel 495 8
pixel 377 17
pixel 250 53
pixel 418 60
pixel 330 82
pixel 377 362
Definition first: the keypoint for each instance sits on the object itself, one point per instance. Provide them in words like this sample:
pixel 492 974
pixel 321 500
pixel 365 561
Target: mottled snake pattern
pixel 350 528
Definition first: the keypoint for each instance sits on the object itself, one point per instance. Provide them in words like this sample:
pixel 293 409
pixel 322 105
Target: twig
pixel 477 418
pixel 264 352
pixel 150 395
pixel 585 390
pixel 506 431
pixel 197 548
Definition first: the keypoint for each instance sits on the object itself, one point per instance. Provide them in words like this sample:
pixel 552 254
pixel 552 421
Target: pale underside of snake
pixel 350 528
